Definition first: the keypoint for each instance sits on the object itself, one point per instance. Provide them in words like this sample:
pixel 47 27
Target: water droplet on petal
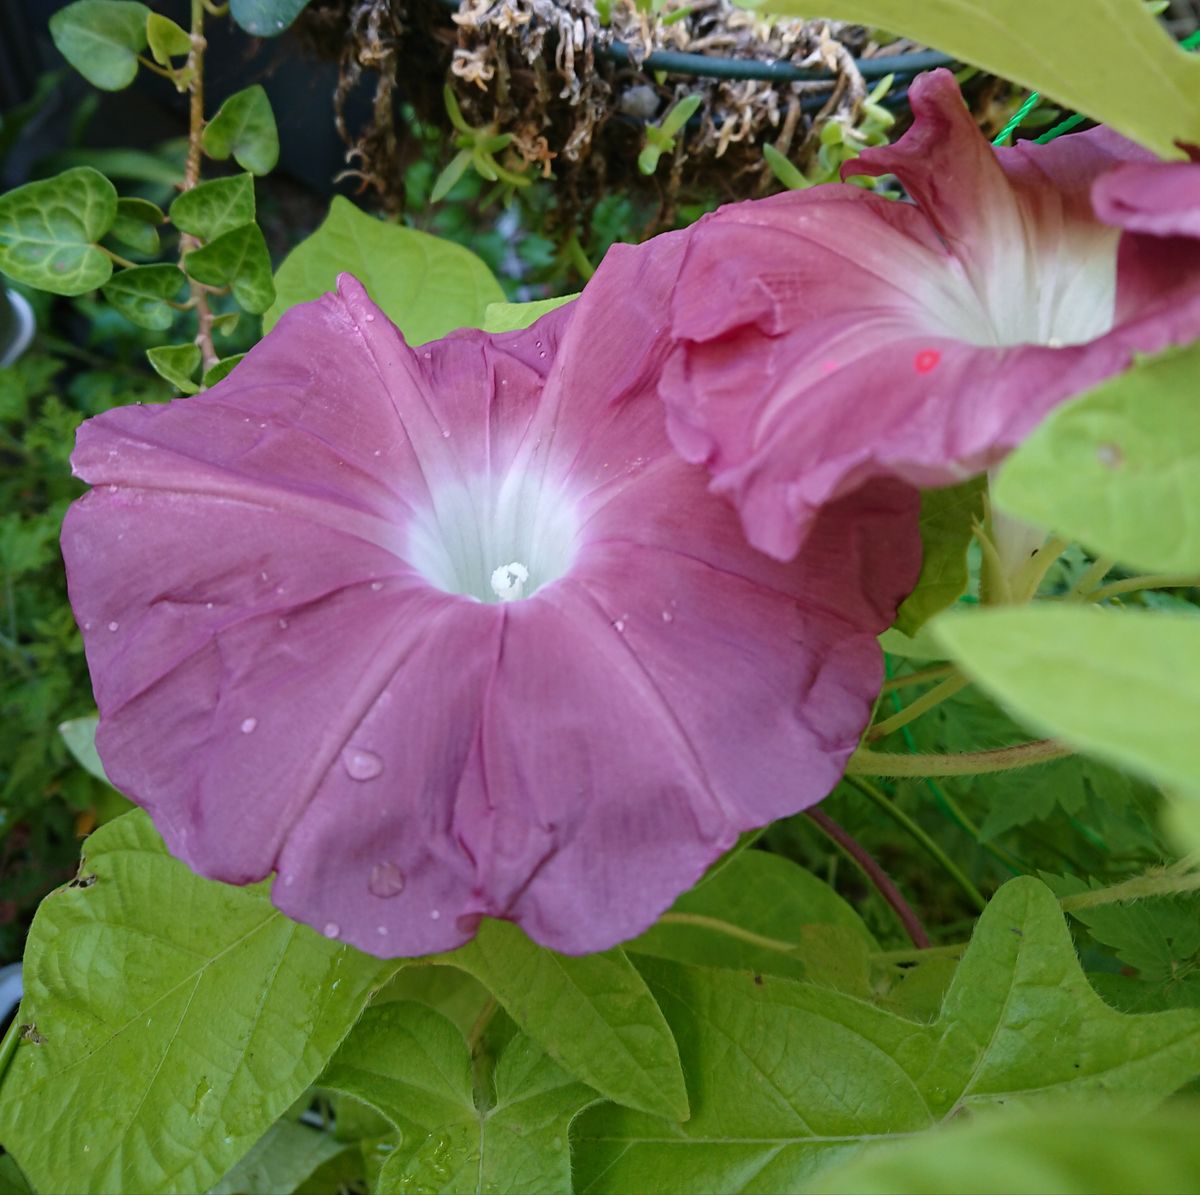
pixel 667 616
pixel 377 452
pixel 208 605
pixel 1110 455
pixel 370 318
pixel 112 489
pixel 332 930
pixel 361 765
pixel 619 624
pixel 283 624
pixel 434 914
pixel 112 626
pixel 427 356
pixel 248 725
pixel 376 585
pixel 386 880
pixel 445 433
pixel 381 930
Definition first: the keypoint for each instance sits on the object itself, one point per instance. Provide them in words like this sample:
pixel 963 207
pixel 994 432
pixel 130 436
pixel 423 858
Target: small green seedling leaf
pixel 266 18
pixel 237 259
pixel 660 138
pixel 101 39
pixel 49 230
pixel 215 207
pixel 226 323
pixel 453 171
pixel 135 225
pixel 222 369
pixel 244 126
pixel 784 170
pixel 166 39
pixel 178 364
pixel 144 294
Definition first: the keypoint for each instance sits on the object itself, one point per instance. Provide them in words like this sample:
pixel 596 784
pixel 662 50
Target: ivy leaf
pixel 222 369
pixel 1118 684
pixel 594 1015
pixel 169 1009
pixel 215 207
pixel 425 285
pixel 167 40
pixel 1009 38
pixel 415 1067
pixel 512 317
pixel 178 364
pixel 947 520
pixel 244 126
pixel 280 1161
pixel 135 225
pixel 776 900
pixel 49 230
pixel 266 18
pixel 237 259
pixel 1074 1150
pixel 101 39
pixel 1116 469
pixel 142 294
pixel 788 1078
pixel 79 734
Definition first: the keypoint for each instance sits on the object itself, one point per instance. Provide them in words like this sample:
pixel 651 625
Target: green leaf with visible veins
pixel 167 40
pixel 415 1067
pixel 427 286
pixel 1010 38
pixel 947 520
pixel 135 225
pixel 1117 468
pixel 593 1014
pixel 237 259
pixel 178 364
pixel 215 207
pixel 177 1019
pixel 222 369
pixel 787 1078
pixel 101 39
pixel 244 126
pixel 266 18
pixel 142 294
pixel 49 230
pixel 280 1161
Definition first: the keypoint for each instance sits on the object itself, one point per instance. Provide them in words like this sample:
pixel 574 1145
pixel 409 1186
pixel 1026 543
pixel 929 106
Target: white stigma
pixel 508 581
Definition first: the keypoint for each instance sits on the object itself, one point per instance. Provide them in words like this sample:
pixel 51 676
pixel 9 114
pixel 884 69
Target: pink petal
pixel 856 337
pixel 296 679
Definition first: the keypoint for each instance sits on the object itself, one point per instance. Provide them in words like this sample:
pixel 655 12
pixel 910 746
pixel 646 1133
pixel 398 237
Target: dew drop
pixel 264 577
pixel 381 930
pixel 283 624
pixel 361 765
pixel 370 318
pixel 332 929
pixel 248 725
pixel 427 356
pixel 1110 455
pixel 377 452
pixel 288 881
pixel 445 433
pixel 542 354
pixel 376 585
pixel 386 880
pixel 208 605
pixel 619 624
pixel 112 489
pixel 228 1140
pixel 1054 342
pixel 504 381
pixel 112 626
pixel 87 626
pixel 667 616
pixel 434 914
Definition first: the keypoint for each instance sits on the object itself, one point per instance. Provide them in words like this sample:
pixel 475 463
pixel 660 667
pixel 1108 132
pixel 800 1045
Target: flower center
pixel 494 541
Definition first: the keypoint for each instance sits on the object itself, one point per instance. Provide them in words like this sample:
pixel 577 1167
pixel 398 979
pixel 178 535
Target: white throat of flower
pixel 494 540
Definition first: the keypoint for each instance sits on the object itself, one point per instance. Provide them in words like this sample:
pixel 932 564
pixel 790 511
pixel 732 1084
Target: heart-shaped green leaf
pixel 49 230
pixel 167 40
pixel 237 259
pixel 222 369
pixel 136 225
pixel 215 207
pixel 266 18
pixel 178 364
pixel 244 126
pixel 142 294
pixel 101 39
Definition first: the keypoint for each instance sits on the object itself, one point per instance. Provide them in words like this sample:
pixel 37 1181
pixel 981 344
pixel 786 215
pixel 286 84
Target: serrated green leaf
pixel 788 1078
pixel 1117 468
pixel 947 519
pixel 101 39
pixel 178 364
pixel 772 898
pixel 427 286
pixel 171 1010
pixel 237 259
pixel 135 225
pixel 222 369
pixel 244 126
pixel 79 734
pixel 1074 1150
pixel 1009 39
pixel 280 1161
pixel 1120 685
pixel 166 39
pixel 414 1066
pixel 592 1014
pixel 215 207
pixel 512 317
pixel 142 294
pixel 266 18
pixel 49 230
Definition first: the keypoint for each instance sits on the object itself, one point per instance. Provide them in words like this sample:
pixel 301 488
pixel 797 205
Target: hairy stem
pixel 931 848
pixel 1155 883
pixel 880 878
pixel 922 705
pixel 191 177
pixel 971 763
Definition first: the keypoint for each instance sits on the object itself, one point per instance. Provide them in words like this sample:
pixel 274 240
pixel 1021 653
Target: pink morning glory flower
pixel 861 337
pixel 443 632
